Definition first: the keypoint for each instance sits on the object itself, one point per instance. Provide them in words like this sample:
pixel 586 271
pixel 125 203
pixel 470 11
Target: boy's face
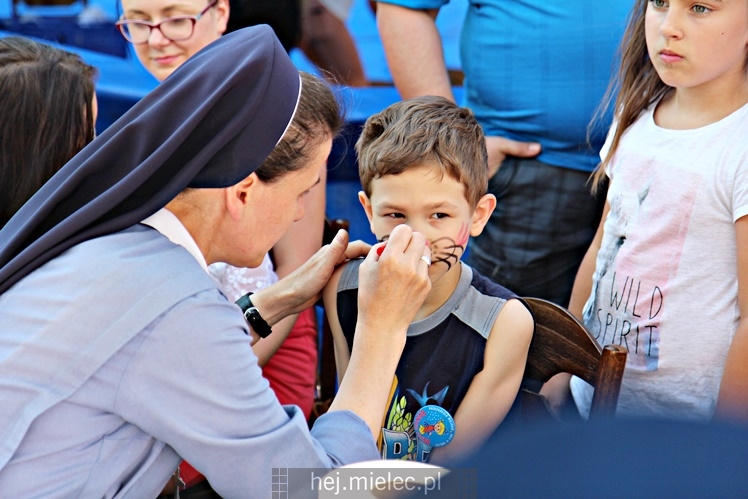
pixel 435 207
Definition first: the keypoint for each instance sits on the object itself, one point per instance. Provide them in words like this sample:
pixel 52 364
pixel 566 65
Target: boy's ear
pixel 237 196
pixel 364 200
pixel 482 213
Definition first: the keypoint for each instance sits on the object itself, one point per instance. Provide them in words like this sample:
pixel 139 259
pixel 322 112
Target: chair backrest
pixel 561 344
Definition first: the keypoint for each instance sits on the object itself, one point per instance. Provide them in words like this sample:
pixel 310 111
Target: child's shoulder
pixel 347 274
pixel 486 286
pixel 481 301
pixel 344 277
pixel 512 307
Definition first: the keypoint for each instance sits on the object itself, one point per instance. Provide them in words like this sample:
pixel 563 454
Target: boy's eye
pixel 439 215
pixel 394 215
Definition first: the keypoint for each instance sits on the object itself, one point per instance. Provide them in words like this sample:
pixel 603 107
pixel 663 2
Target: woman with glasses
pixel 119 355
pixel 165 33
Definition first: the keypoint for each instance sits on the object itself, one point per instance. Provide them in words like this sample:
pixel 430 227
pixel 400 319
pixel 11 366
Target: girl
pixel 670 257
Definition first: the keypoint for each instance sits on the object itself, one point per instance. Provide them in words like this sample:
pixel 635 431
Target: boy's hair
pixel 434 129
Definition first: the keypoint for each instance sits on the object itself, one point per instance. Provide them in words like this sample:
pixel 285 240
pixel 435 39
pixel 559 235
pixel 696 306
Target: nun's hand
pixel 302 288
pixel 393 285
pixel 392 288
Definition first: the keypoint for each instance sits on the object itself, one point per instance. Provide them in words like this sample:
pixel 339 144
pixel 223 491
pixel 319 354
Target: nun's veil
pixel 210 124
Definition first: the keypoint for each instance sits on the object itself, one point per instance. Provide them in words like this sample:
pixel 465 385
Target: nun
pixel 119 356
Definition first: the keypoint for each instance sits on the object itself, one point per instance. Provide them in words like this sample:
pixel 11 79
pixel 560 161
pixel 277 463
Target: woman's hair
pixel 425 129
pixel 318 117
pixel 46 116
pixel 636 84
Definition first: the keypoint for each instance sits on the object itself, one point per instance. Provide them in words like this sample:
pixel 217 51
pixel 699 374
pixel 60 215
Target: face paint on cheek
pixel 447 250
pixel 462 237
pixel 444 250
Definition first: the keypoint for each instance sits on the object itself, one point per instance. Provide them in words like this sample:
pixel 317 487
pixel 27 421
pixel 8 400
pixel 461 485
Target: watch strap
pixel 253 317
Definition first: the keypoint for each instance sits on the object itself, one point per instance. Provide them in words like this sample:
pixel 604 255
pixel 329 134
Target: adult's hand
pixel 393 285
pixel 500 147
pixel 302 288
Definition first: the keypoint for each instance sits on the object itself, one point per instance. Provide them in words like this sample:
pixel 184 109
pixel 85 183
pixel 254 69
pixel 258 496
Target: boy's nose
pixel 424 228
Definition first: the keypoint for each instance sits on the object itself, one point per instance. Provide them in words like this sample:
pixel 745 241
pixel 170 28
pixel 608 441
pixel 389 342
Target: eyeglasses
pixel 175 28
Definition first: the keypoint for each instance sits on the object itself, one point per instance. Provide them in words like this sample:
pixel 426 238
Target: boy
pixel 422 162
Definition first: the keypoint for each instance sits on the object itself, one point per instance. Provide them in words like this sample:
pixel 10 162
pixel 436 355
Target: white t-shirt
pixel 237 281
pixel 665 283
pixel 339 8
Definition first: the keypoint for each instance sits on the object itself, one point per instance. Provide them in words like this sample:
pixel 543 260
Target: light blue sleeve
pixel 418 4
pixel 195 384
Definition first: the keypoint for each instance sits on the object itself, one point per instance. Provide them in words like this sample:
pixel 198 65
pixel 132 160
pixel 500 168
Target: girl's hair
pixel 46 116
pixel 636 84
pixel 425 129
pixel 318 116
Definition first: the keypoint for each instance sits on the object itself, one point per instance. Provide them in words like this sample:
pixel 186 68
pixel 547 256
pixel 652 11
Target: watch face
pixel 258 324
pixel 252 315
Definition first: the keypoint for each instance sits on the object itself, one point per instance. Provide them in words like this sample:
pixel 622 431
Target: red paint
pixel 463 236
pixel 381 248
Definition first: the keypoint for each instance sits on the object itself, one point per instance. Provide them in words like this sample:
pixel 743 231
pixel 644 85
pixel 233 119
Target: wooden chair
pixel 561 344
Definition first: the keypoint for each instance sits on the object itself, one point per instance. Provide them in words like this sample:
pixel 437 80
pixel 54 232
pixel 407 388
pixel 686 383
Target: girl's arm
pixel 733 392
pixel 304 237
pixel 266 348
pixel 556 390
pixel 493 390
pixel 583 282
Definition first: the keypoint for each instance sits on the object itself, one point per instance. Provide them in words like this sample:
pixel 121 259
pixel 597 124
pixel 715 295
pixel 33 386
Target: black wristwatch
pixel 255 320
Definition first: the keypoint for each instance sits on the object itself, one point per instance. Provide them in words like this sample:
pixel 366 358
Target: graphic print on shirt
pixel 636 264
pixel 415 423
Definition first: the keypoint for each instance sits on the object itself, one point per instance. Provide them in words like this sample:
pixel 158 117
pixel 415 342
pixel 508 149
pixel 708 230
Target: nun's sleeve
pixel 225 420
